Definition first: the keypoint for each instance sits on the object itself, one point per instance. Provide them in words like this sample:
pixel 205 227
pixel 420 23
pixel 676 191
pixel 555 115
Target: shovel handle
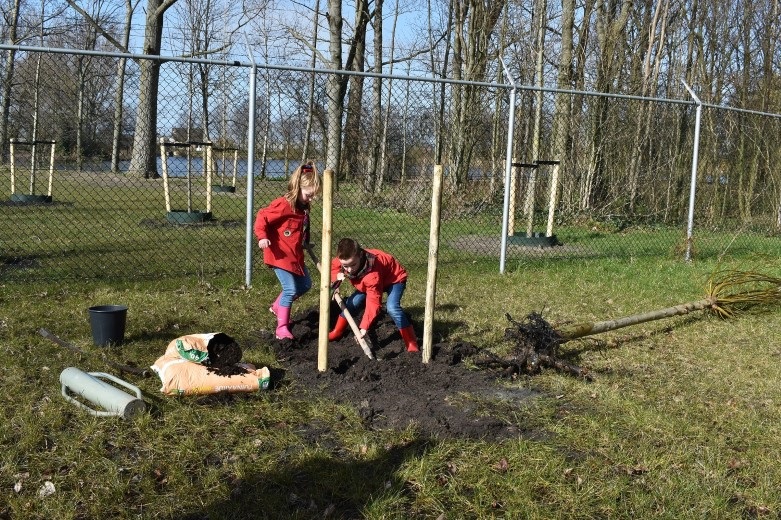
pixel 350 320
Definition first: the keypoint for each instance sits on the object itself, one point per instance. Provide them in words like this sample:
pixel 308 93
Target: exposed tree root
pixel 536 347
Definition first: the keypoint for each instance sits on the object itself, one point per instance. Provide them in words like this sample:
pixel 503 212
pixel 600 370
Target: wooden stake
pixel 325 275
pixel 433 252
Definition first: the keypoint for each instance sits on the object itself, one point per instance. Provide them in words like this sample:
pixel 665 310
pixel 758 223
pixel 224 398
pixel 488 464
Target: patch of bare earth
pixel 442 398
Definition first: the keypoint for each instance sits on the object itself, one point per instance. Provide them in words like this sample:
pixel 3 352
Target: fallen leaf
pixel 502 466
pixel 47 489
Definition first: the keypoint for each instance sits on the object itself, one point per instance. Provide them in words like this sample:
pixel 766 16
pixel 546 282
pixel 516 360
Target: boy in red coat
pixel 282 230
pixel 372 272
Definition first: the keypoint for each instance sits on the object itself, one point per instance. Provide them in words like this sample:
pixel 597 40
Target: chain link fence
pixel 612 177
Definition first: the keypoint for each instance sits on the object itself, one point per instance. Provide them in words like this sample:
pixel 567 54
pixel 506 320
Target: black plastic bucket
pixel 108 324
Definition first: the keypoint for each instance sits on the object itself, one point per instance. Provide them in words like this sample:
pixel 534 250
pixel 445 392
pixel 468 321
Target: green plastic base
pixel 536 240
pixel 188 217
pixel 30 199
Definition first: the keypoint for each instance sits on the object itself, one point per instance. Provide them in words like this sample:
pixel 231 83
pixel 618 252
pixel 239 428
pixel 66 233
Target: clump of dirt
pixel 442 398
pixel 224 355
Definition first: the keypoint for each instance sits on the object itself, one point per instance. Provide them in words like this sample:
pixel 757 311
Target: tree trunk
pixel 541 9
pixel 119 86
pixel 334 87
pixel 311 99
pixel 474 25
pixel 384 162
pixel 611 25
pixel 143 161
pixel 8 79
pixel 439 97
pixel 562 117
pixel 371 174
pixel 580 330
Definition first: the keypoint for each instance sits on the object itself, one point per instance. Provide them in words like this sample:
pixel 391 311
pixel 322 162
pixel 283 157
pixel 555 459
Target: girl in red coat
pixel 372 272
pixel 282 230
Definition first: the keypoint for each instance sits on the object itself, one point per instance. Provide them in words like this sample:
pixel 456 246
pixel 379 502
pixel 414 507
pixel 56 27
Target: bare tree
pixel 8 78
pixel 143 160
pixel 375 134
pixel 475 21
pixel 119 86
pixel 655 32
pixel 310 104
pixel 611 21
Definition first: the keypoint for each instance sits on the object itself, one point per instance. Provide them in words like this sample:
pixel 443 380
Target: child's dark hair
pixel 304 176
pixel 348 248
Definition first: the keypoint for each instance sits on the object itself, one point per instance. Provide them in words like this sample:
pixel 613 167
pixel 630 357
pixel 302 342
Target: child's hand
pixel 340 276
pixel 361 334
pixel 263 243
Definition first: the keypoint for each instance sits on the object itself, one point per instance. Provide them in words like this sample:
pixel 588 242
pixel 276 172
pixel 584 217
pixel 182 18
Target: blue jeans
pixel 293 285
pixel 393 304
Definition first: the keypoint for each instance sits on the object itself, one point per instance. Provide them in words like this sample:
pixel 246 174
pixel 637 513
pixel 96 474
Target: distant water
pixel 275 168
pixel 178 167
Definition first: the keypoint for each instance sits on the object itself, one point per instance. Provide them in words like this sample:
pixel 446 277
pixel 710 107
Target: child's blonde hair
pixel 305 176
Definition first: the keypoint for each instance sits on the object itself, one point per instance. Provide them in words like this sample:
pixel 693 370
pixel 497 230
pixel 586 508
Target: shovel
pixel 338 299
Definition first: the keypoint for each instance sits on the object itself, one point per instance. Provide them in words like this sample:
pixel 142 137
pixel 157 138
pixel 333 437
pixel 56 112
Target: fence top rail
pixel 268 66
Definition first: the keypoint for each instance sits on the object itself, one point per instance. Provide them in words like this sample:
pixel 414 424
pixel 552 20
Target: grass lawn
pixel 681 419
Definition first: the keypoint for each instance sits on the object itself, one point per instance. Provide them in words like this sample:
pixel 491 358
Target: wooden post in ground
pixel 325 271
pixel 51 169
pixel 13 168
pixel 209 169
pixel 235 165
pixel 164 161
pixel 554 190
pixel 433 252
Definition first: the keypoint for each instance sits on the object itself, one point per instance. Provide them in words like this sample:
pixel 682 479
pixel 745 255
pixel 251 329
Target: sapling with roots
pixel 727 292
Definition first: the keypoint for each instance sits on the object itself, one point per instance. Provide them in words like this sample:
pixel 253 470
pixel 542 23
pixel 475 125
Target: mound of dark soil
pixel 442 398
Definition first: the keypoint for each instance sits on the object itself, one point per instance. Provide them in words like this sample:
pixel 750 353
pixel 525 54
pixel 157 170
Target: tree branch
pixel 97 26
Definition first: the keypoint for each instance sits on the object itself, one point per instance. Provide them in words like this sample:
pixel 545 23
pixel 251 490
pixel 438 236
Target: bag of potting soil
pixel 199 364
pixel 213 349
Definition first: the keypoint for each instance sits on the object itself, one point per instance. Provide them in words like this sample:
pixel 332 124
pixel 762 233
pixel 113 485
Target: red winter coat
pixel 385 272
pixel 287 229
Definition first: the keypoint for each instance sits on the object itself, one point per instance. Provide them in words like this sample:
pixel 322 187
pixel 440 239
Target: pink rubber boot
pixel 283 320
pixel 275 306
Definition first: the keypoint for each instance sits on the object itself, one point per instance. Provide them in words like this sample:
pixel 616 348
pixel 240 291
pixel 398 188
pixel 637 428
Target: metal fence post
pixel 507 169
pixel 693 187
pixel 250 239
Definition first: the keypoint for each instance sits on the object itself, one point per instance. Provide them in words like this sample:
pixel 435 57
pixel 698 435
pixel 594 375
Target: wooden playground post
pixel 554 184
pixel 33 166
pixel 235 165
pixel 163 156
pixel 13 177
pixel 207 152
pixel 51 169
pixel 528 208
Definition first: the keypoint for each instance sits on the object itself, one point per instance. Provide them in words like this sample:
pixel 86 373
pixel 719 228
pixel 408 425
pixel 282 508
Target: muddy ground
pixel 443 398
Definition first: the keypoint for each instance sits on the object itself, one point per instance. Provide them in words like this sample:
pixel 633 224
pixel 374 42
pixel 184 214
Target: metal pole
pixel 693 187
pixel 250 239
pixel 507 168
